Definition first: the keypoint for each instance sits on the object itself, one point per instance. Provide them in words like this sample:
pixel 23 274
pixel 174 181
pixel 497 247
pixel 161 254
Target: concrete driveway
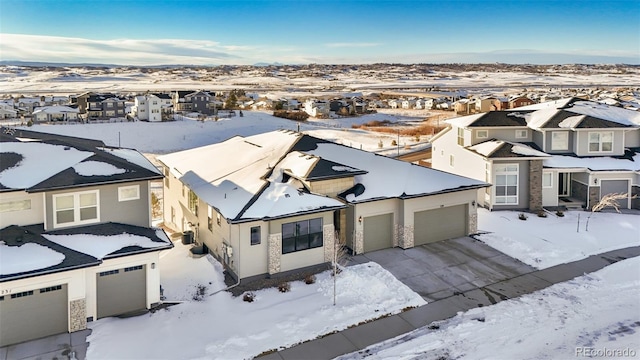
pixel 445 268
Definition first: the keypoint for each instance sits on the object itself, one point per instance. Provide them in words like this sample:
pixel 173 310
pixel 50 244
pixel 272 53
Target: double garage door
pixel 121 291
pixel 429 226
pixel 33 314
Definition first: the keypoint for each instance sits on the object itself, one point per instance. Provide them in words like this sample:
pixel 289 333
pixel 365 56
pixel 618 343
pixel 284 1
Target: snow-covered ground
pixel 165 137
pixel 597 314
pixel 545 242
pixel 223 327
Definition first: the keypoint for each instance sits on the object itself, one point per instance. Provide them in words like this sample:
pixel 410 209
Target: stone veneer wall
pixel 594 197
pixel 535 185
pixel 78 315
pixel 275 252
pixel 579 191
pixel 405 236
pixel 473 223
pixel 328 238
pixel 358 242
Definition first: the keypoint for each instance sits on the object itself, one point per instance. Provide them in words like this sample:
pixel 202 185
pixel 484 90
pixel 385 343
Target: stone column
pixel 359 242
pixel 328 238
pixel 473 223
pixel 535 185
pixel 405 236
pixel 77 315
pixel 594 197
pixel 275 253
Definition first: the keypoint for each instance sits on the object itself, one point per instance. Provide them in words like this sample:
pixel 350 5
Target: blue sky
pixel 313 31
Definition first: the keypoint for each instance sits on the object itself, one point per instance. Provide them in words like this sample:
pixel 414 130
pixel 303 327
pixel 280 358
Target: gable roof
pixel 34 165
pixel 492 119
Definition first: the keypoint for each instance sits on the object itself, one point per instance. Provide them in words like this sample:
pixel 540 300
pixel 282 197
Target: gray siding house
pixel 566 153
pixel 75 224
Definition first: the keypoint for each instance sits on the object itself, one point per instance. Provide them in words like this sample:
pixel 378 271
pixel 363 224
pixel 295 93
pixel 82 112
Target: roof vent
pixel 67 148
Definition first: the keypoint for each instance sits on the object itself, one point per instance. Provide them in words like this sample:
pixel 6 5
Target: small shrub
pixel 309 279
pixel 522 216
pixel 30 123
pixel 249 297
pixel 542 214
pixel 284 287
pixel 394 143
pixel 559 213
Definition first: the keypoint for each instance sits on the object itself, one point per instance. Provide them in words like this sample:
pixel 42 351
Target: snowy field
pixel 218 326
pixel 598 313
pixel 166 137
pixel 545 242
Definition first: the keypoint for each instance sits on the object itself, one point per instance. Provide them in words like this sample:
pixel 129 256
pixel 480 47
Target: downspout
pixel 238 281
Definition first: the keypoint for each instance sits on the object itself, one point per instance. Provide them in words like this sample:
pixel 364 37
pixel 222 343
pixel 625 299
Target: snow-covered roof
pixel 32 164
pixel 574 113
pixel 500 148
pixel 593 163
pixel 55 109
pixel 464 121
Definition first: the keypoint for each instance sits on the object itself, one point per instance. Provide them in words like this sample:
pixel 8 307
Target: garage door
pixel 440 224
pixel 33 314
pixel 614 186
pixel 378 232
pixel 121 291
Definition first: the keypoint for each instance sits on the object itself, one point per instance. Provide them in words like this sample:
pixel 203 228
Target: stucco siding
pixel 253 258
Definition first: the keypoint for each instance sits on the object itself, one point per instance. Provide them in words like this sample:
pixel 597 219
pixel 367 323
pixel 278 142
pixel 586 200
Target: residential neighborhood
pixel 357 218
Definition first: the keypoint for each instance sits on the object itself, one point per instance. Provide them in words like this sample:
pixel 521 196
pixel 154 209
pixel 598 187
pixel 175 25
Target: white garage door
pixel 33 314
pixel 121 291
pixel 440 224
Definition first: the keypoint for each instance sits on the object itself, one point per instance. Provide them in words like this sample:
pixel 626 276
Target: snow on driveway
pixel 224 327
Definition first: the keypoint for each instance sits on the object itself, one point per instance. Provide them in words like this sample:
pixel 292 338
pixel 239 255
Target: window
pixel 110 113
pixel 461 136
pixel 166 177
pixel 110 272
pixel 183 190
pixel 109 104
pixel 126 193
pixel 255 235
pixel 559 140
pixel 218 221
pixel 522 134
pixel 451 160
pixel 482 134
pixel 210 218
pixel 15 205
pixel 50 289
pixel 193 202
pixel 133 268
pixel 301 235
pixel 506 184
pixel 22 294
pixel 601 141
pixel 75 209
pixel 547 179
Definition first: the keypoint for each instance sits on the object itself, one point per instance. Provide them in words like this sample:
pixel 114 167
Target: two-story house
pixel 147 108
pixel 566 153
pixel 272 203
pixel 317 108
pixel 76 242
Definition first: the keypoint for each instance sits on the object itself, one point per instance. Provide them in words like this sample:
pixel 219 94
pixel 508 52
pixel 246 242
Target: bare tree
pixel 338 259
pixel 609 200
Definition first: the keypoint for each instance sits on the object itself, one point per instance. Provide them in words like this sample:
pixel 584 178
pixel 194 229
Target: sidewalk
pixel 359 337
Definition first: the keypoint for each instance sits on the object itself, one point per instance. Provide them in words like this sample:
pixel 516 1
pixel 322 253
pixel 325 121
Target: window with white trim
pixel 547 179
pixel 522 134
pixel 559 140
pixel 601 141
pixel 482 134
pixel 451 160
pixel 76 209
pixel 15 205
pixel 506 184
pixel 127 193
pixel 193 202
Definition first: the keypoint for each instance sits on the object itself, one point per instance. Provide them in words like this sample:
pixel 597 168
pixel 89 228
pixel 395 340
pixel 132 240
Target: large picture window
pixel 506 184
pixel 76 209
pixel 601 141
pixel 301 235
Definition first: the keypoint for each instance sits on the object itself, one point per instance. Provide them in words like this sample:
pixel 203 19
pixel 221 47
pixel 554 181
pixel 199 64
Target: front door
pixel 564 184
